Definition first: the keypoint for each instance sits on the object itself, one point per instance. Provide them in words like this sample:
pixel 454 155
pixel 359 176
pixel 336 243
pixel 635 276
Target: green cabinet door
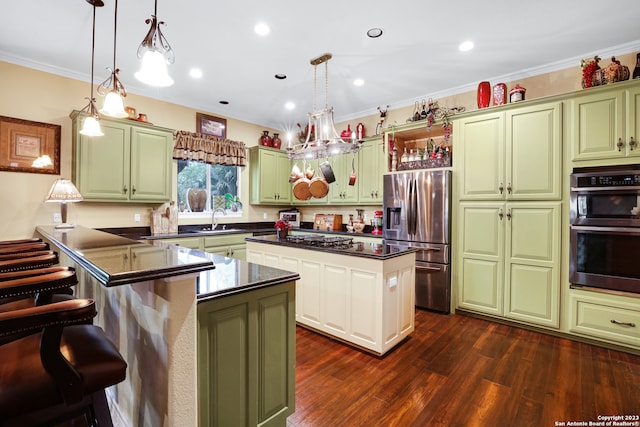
pixel 150 164
pixel 533 158
pixel 269 169
pixel 481 257
pixel 480 151
pixel 246 358
pixel 632 146
pixel 340 192
pixel 532 262
pixel 371 169
pixel 102 164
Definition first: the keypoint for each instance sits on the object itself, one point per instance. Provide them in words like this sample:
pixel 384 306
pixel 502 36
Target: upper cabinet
pixel 511 155
pixel 372 165
pixel 269 169
pixel 604 124
pixel 130 163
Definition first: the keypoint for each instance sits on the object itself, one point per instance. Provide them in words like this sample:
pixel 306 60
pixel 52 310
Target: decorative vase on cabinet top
pixel 500 94
pixel 484 94
pixel 265 139
pixel 276 142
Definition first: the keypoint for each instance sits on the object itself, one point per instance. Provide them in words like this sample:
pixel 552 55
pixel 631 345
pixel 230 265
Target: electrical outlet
pixel 57 217
pixel 265 216
pixel 136 217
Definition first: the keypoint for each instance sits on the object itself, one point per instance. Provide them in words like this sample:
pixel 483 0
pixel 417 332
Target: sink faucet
pixel 214 221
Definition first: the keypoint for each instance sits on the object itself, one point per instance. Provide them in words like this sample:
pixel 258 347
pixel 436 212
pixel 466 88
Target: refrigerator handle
pixel 410 211
pixel 414 207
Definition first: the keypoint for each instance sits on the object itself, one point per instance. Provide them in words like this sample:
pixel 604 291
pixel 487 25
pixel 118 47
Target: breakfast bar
pixel 208 340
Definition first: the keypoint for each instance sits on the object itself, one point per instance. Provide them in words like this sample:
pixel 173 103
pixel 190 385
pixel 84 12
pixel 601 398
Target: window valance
pixel 209 149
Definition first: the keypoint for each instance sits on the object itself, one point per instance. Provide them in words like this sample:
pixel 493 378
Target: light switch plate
pixel 57 218
pixel 136 217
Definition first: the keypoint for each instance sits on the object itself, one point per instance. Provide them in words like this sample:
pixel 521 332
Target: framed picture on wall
pixel 210 125
pixel 27 146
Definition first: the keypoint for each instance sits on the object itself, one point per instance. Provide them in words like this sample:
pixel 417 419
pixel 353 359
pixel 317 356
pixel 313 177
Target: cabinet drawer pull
pixel 509 188
pixel 620 144
pixel 133 189
pixel 125 189
pixel 501 188
pixel 629 324
pixel 632 143
pixel 500 214
pixel 509 214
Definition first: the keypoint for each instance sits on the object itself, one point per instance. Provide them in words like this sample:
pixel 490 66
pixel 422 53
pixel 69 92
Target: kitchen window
pixel 220 182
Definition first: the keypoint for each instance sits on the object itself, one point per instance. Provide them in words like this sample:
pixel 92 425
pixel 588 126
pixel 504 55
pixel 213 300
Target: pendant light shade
pixel 91 124
pixel 153 70
pixel 156 54
pixel 112 88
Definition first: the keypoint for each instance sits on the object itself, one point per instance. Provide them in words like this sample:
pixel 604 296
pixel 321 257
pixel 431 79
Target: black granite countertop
pixel 380 251
pixel 114 260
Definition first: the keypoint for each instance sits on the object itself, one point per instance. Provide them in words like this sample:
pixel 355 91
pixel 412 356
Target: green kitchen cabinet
pixel 270 170
pixel 340 192
pixel 604 124
pixel 246 358
pixel 130 163
pixel 231 246
pixel 511 155
pixel 186 242
pixel 372 163
pixel 509 260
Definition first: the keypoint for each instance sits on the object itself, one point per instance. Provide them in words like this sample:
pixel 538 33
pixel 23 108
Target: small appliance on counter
pixel 376 222
pixel 292 216
pixel 327 222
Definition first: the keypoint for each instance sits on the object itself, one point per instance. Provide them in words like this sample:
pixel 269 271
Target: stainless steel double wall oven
pixel 605 229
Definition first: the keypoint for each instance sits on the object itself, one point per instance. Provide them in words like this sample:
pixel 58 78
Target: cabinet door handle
pixel 509 188
pixel 500 214
pixel 501 188
pixel 125 189
pixel 632 143
pixel 372 194
pixel 629 324
pixel 133 189
pixel 620 144
pixel 376 194
pixel 509 214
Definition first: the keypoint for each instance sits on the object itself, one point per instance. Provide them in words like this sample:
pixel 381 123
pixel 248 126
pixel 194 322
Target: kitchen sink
pixel 209 231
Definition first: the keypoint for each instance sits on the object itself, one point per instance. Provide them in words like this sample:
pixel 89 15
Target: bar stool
pixel 60 370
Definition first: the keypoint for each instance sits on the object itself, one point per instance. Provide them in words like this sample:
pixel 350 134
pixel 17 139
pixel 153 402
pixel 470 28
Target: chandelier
pixel 322 140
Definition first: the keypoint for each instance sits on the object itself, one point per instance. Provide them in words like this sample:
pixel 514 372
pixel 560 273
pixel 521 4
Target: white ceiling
pixel 416 57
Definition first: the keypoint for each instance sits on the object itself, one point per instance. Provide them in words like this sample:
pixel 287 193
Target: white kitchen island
pixel 363 295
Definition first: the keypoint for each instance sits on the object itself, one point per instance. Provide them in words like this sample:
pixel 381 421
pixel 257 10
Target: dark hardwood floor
pixel 457 370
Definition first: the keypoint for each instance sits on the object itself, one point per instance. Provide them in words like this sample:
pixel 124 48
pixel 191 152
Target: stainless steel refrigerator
pixel 417 213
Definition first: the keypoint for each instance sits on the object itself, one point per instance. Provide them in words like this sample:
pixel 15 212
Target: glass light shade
pixel 113 106
pixel 91 127
pixel 63 191
pixel 153 70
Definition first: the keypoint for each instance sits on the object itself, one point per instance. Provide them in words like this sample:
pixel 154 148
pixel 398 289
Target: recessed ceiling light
pixel 261 29
pixel 289 105
pixel 374 33
pixel 358 82
pixel 280 76
pixel 196 73
pixel 466 46
pixel 223 102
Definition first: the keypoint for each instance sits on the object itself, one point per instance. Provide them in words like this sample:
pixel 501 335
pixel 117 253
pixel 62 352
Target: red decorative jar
pixel 276 142
pixel 265 139
pixel 500 94
pixel 484 94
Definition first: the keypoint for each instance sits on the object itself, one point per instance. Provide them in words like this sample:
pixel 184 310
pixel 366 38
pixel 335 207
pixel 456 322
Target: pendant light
pixel 155 53
pixel 112 88
pixel 91 125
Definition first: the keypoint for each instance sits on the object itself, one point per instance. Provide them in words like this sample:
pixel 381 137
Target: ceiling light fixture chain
pixel 112 88
pixel 91 124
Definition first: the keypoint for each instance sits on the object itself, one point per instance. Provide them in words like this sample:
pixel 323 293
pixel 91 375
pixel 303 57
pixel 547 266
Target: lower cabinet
pixel 231 246
pixel 611 318
pixel 366 302
pixel 509 260
pixel 246 358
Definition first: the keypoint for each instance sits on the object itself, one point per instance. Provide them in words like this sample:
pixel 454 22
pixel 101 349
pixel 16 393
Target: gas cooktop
pixel 340 242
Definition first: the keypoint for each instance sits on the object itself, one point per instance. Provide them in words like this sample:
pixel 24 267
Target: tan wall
pixel 34 95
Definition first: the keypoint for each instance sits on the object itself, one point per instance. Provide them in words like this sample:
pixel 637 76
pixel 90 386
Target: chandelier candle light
pixel 155 53
pixel 112 87
pixel 322 140
pixel 91 124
